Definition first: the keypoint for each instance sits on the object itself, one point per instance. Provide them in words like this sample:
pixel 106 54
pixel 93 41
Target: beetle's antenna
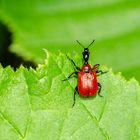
pixel 91 43
pixel 80 44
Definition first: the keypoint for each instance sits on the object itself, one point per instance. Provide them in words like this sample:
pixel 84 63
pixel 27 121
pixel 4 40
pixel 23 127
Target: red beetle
pixel 87 81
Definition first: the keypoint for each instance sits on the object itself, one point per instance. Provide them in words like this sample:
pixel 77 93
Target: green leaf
pixel 37 105
pixel 55 25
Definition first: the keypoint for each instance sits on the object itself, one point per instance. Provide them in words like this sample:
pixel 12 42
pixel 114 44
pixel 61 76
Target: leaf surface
pixel 55 25
pixel 38 105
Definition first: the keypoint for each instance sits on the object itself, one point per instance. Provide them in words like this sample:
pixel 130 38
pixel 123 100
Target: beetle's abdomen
pixel 87 83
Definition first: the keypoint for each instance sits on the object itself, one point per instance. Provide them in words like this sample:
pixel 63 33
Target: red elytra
pixel 87 84
pixel 87 81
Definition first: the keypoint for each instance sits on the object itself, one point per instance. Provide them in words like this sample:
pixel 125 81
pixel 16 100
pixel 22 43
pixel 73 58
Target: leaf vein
pixel 95 120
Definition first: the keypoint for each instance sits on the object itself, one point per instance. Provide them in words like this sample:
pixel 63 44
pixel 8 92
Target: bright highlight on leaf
pixel 36 105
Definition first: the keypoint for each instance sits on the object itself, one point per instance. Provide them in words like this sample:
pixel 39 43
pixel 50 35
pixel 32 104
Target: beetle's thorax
pixel 86 68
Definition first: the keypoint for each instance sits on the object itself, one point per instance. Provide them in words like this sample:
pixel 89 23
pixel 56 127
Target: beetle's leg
pixel 70 76
pixel 100 72
pixel 73 63
pixel 74 96
pixel 95 67
pixel 99 89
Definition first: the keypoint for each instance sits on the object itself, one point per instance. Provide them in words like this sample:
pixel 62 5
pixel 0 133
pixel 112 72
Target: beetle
pixel 87 84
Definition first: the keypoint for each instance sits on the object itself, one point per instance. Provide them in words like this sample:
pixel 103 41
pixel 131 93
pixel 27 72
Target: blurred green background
pixel 55 25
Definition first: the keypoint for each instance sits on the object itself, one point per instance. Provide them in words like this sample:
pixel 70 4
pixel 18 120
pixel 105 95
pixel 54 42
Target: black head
pixel 85 52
